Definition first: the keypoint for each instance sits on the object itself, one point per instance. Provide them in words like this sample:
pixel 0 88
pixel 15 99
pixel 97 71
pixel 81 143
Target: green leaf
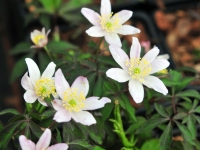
pixel 22 47
pixel 27 132
pixel 175 75
pixel 161 110
pixel 186 99
pixel 191 126
pixel 184 82
pixel 106 111
pixel 44 60
pixel 186 133
pixel 152 144
pixel 189 93
pixel 195 103
pixel 107 60
pixel 186 105
pixel 197 118
pixel 81 142
pixel 98 87
pixel 91 79
pixel 36 130
pixel 166 137
pixel 196 110
pixel 180 115
pixel 135 126
pixel 9 111
pixel 151 124
pixel 47 114
pixel 58 136
pixel 7 133
pixel 97 148
pixel 169 83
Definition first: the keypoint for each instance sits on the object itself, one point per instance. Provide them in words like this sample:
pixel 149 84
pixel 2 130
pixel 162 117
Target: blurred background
pixel 172 25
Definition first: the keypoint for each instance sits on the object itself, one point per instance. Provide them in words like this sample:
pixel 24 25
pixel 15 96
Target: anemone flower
pixel 39 38
pixel 74 101
pixel 138 70
pixel 37 86
pixel 42 144
pixel 108 25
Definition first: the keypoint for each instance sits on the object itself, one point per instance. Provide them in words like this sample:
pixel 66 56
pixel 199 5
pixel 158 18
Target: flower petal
pixel 49 71
pixel 159 64
pixel 33 70
pixel 44 140
pixel 127 30
pixel 91 15
pixel 48 33
pixel 57 104
pixel 83 117
pixel 62 116
pixel 42 102
pixel 105 7
pixel 119 56
pixel 151 55
pixel 96 31
pixel 60 146
pixel 123 15
pixel 43 31
pixel 30 96
pixel 82 84
pixel 113 39
pixel 118 75
pixel 60 82
pixel 135 48
pixel 26 82
pixel 155 83
pixel 26 144
pixel 93 103
pixel 164 56
pixel 136 90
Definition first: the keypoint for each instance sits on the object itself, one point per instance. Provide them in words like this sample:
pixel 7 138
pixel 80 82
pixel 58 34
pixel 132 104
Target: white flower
pixel 74 101
pixel 37 86
pixel 39 38
pixel 42 144
pixel 109 25
pixel 137 71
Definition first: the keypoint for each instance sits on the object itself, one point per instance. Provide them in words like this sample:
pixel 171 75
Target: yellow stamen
pixel 37 38
pixel 164 71
pixel 45 87
pixel 73 100
pixel 138 68
pixel 108 24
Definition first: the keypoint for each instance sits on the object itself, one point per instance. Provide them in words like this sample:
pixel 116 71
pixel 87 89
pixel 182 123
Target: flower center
pixel 45 87
pixel 37 38
pixel 138 68
pixel 73 100
pixel 110 24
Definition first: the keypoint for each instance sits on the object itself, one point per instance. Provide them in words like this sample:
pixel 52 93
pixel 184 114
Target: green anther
pixel 136 71
pixel 44 89
pixel 72 103
pixel 108 25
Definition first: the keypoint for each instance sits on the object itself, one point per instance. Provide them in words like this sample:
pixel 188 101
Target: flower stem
pixel 48 53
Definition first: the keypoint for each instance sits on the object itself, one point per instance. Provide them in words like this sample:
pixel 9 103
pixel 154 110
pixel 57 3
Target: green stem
pixel 28 107
pixel 48 53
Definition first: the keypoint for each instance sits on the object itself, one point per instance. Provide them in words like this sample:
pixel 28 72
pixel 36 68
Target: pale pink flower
pixel 138 70
pixel 73 101
pixel 39 38
pixel 108 25
pixel 42 144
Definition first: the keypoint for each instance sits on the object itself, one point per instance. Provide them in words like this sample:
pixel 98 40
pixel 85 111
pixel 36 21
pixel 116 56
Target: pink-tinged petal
pixel 123 15
pixel 82 84
pixel 127 30
pixel 32 36
pixel 158 65
pixel 35 46
pixel 135 48
pixel 26 82
pixel 62 116
pixel 113 39
pixel 96 31
pixel 33 70
pixel 91 15
pixel 83 117
pixel 43 31
pixel 48 32
pixel 93 103
pixel 44 140
pixel 155 83
pixel 30 96
pixel 60 82
pixel 49 71
pixel 164 56
pixel 57 104
pixel 119 56
pixel 26 144
pixel 60 146
pixel 105 7
pixel 118 75
pixel 151 55
pixel 42 101
pixel 136 90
